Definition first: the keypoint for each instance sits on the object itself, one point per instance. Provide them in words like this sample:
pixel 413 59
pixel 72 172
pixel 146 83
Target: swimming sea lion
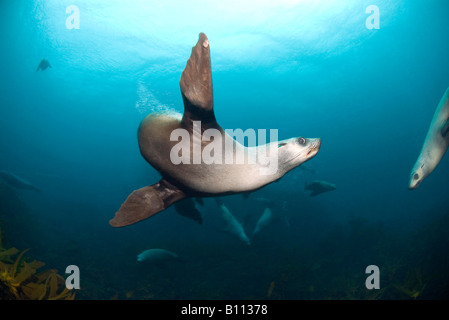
pixel 230 223
pixel 16 181
pixel 317 187
pixel 435 144
pixel 186 175
pixel 43 65
pixel 269 218
pixel 156 256
pixel 265 219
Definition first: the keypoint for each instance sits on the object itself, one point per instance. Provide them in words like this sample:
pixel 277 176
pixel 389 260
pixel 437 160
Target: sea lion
pixel 193 177
pixel 265 219
pixel 317 187
pixel 16 181
pixel 43 65
pixel 156 256
pixel 269 218
pixel 435 144
pixel 230 223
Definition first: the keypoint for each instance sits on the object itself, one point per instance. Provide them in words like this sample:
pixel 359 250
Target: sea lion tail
pixel 146 202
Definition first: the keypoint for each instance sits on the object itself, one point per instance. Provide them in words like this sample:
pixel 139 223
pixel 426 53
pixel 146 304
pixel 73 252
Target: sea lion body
pixel 264 221
pixel 16 181
pixel 231 225
pixel 196 157
pixel 215 178
pixel 43 65
pixel 435 144
pixel 156 256
pixel 317 187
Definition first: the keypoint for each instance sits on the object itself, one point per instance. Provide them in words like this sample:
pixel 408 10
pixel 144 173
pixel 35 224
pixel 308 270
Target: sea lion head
pixel 295 151
pixel 417 176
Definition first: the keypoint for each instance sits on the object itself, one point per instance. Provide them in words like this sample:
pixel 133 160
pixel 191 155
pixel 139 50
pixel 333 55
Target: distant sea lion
pixel 43 65
pixel 156 256
pixel 265 220
pixel 317 187
pixel 230 224
pixel 198 178
pixel 269 218
pixel 435 144
pixel 16 181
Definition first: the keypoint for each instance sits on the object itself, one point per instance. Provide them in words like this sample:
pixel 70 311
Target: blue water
pixel 306 68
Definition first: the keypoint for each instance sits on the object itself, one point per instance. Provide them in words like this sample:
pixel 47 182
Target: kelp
pixel 19 279
pixel 414 283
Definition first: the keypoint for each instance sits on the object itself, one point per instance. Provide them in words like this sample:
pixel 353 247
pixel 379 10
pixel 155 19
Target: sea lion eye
pixel 301 141
pixel 416 176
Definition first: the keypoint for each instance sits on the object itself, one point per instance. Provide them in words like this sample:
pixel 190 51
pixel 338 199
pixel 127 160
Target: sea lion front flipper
pixel 41 65
pixel 196 86
pixel 146 202
pixel 314 193
pixel 187 209
pixel 445 128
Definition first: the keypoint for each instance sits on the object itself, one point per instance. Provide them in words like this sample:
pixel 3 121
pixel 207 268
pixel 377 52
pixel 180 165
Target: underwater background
pixel 307 68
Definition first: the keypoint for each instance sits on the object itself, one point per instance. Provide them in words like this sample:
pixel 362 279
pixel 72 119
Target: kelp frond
pixel 19 279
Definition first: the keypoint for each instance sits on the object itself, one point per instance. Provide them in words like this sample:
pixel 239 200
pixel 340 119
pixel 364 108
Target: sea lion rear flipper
pixel 146 202
pixel 196 86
